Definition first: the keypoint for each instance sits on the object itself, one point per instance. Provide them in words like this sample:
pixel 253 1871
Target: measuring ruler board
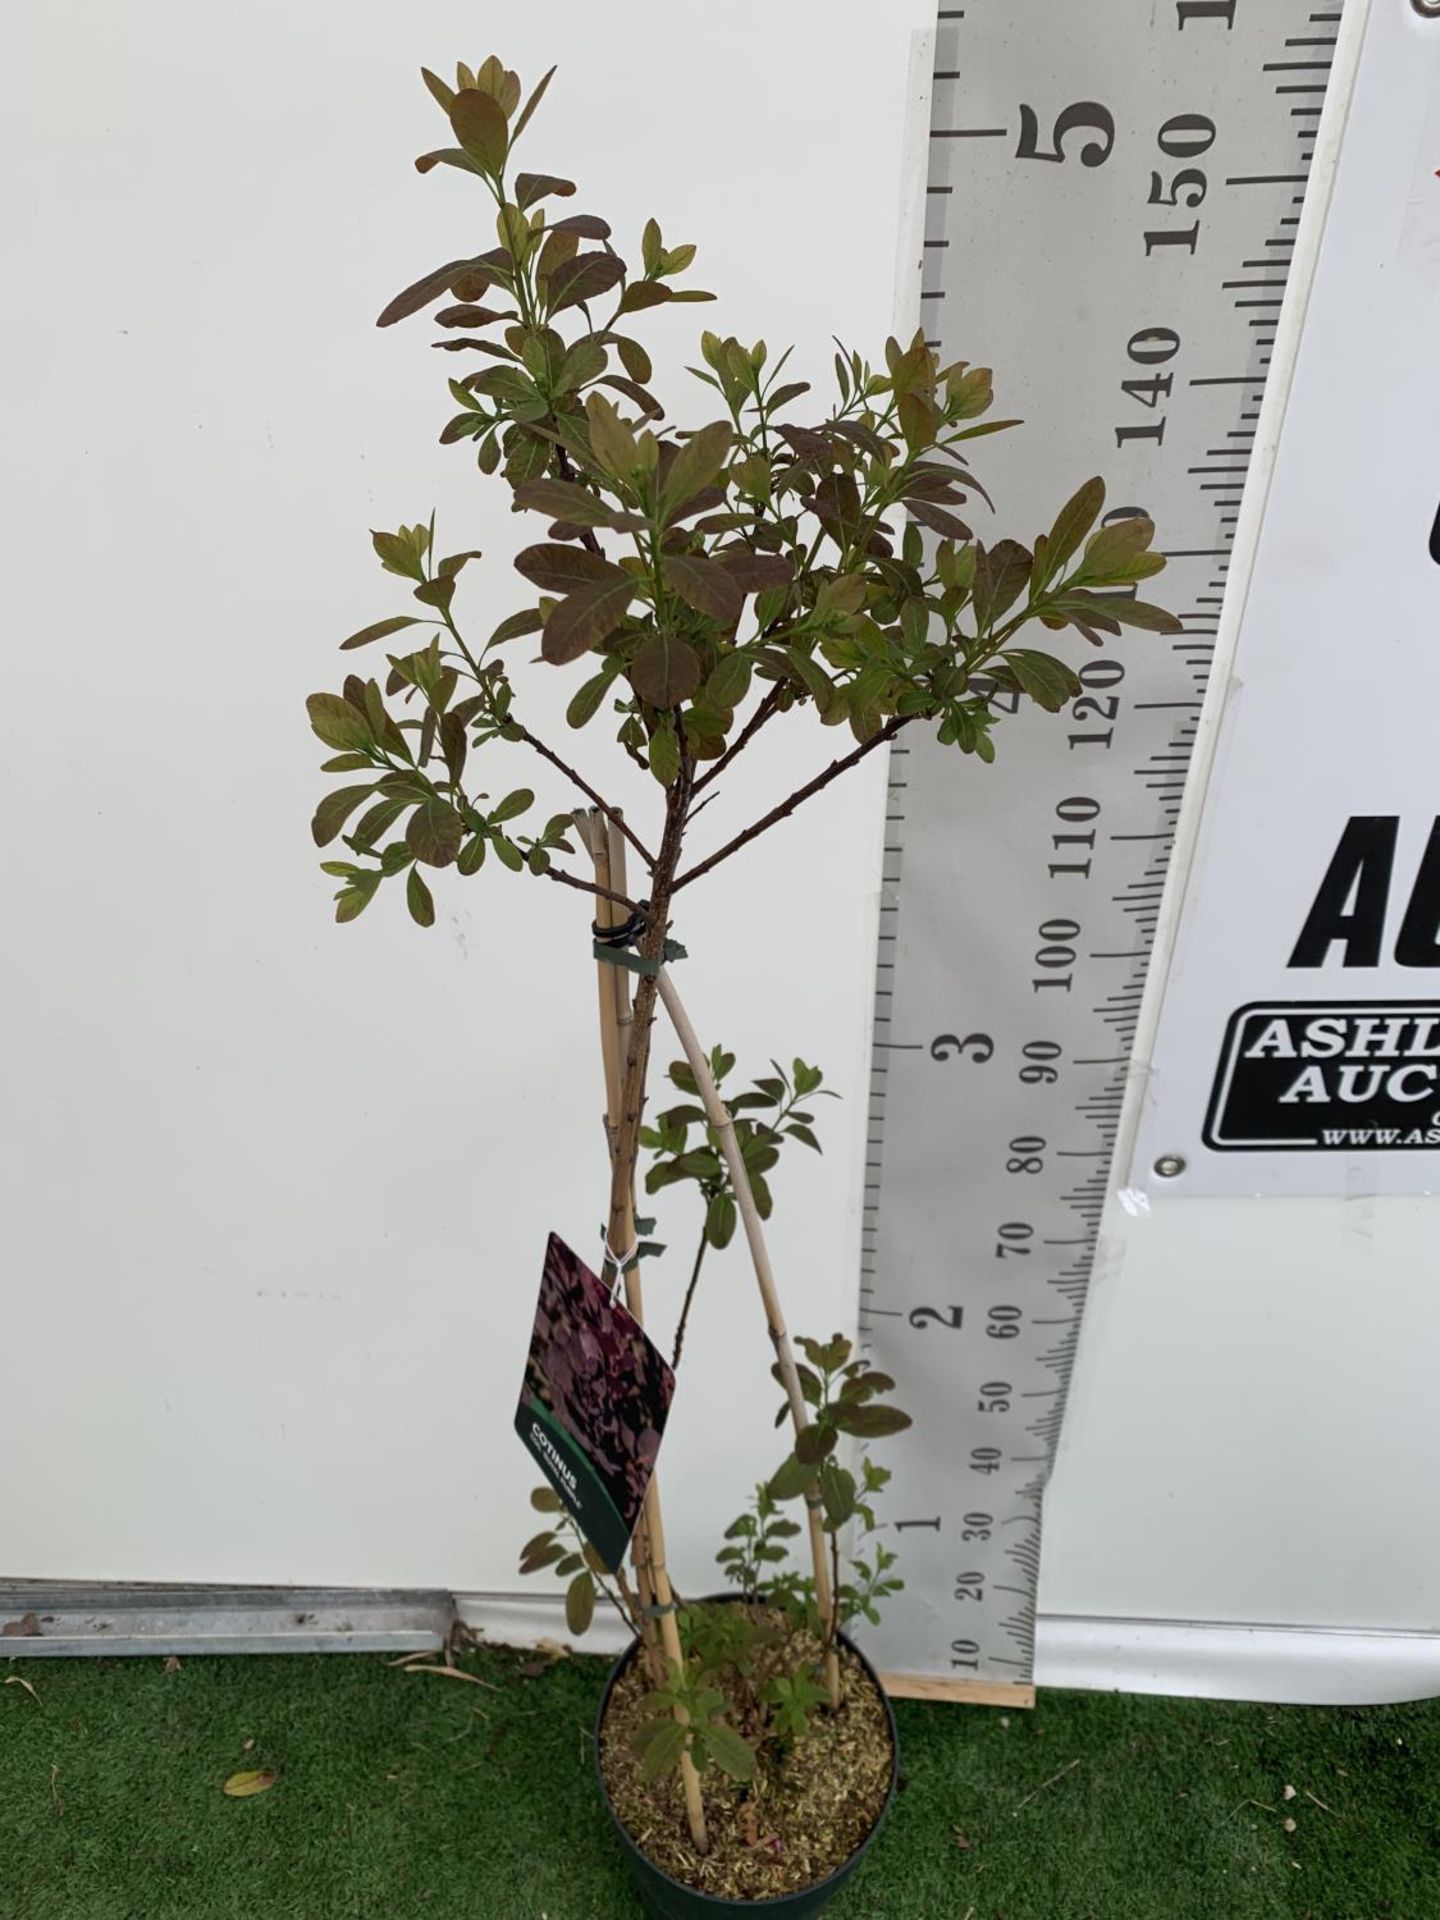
pixel 1113 198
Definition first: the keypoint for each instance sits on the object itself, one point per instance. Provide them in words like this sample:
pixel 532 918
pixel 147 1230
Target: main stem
pixel 623 1131
pixel 718 1114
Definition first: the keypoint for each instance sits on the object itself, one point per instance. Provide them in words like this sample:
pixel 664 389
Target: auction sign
pixel 1297 1046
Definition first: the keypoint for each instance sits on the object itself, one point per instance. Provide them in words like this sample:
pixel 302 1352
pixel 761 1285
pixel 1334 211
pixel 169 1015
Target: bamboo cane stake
pixel 724 1128
pixel 651 1569
pixel 591 829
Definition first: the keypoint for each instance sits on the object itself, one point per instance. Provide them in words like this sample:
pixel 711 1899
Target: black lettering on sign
pixel 1435 539
pixel 1340 1077
pixel 1417 945
pixel 1350 906
pixel 1354 897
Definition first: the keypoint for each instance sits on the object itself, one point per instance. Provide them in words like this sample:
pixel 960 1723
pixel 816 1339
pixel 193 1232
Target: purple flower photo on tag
pixel 595 1399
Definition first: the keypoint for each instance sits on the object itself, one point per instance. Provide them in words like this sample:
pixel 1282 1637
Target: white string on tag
pixel 620 1263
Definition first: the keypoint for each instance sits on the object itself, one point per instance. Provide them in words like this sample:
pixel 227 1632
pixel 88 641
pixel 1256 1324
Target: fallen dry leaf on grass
pixel 172 1663
pixel 451 1673
pixel 15 1680
pixel 1287 1793
pixel 240 1786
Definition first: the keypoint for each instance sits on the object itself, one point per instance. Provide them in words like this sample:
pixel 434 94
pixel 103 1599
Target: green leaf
pixel 334 810
pixel 730 682
pixel 790 1479
pixel 663 1749
pixel 531 104
pixel 704 585
pixel 696 466
pixel 516 625
pixel 665 755
pixel 720 1220
pixel 868 1421
pixel 729 1750
pixel 514 804
pixel 337 723
pixel 546 1500
pixel 1111 550
pixel 481 128
pixel 434 832
pixel 837 1492
pixel 381 629
pixel 586 617
pixel 472 855
pixel 580 1603
pixel 664 671
pixel 419 900
pixel 586 703
pixel 1049 682
pixel 1072 523
pixel 508 853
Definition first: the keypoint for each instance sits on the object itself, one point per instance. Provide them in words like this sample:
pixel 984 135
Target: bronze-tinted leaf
pixel 563 500
pixel 434 832
pixel 1073 522
pixel 704 585
pixel 938 519
pixel 445 157
pixel 334 810
pixel 585 277
pixel 1136 613
pixel 481 128
pixel 665 671
pixel 557 569
pixel 646 401
pixel 753 572
pixel 1002 573
pixel 589 226
pixel 730 682
pixel 530 187
pixel 586 617
pixel 471 316
pixel 423 291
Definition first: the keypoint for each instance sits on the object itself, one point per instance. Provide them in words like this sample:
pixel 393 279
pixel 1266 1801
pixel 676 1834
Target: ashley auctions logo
pixel 1343 1076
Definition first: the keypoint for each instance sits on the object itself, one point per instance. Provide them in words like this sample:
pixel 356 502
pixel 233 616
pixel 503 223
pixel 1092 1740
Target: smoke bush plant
pixel 701 584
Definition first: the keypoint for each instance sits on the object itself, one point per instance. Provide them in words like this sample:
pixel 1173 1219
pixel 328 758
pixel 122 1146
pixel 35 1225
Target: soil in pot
pixel 782 1833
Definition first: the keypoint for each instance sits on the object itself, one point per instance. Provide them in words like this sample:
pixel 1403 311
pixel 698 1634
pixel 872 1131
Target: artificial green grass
pixel 410 1797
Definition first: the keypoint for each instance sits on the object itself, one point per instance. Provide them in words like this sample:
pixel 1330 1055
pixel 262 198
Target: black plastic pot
pixel 665 1898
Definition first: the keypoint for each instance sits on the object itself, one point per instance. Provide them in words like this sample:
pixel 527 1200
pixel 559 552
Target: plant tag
pixel 593 1406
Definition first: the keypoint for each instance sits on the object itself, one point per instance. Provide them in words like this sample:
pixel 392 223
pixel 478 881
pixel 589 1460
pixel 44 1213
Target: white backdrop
pixel 274 1193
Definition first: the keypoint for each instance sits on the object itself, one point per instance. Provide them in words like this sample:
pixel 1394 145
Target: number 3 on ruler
pixel 946 1045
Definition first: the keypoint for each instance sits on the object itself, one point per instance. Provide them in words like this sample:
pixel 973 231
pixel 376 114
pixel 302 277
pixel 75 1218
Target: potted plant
pixel 700 584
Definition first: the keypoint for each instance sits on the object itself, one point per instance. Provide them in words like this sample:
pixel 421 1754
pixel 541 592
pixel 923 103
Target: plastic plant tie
pixel 613 944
